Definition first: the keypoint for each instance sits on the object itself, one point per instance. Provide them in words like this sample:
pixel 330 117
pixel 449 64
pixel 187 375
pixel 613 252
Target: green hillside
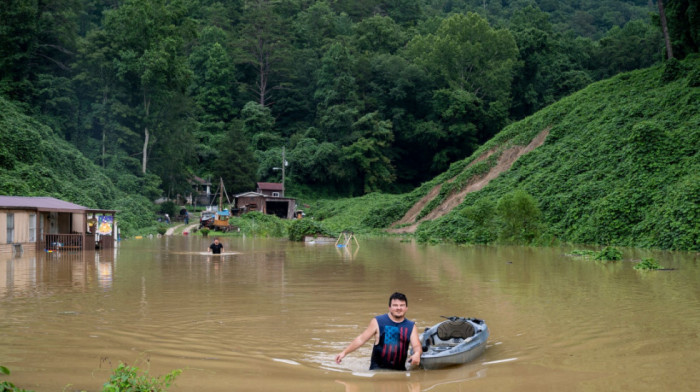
pixel 620 166
pixel 36 162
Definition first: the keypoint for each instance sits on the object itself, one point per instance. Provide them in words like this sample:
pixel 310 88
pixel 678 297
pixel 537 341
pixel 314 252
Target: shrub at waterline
pixel 520 217
pixel 7 386
pixel 300 228
pixel 648 264
pixel 123 379
pixel 608 253
pixel 258 224
pixel 126 378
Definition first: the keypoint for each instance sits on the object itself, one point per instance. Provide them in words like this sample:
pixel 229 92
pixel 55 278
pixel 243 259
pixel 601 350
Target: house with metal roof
pixel 47 223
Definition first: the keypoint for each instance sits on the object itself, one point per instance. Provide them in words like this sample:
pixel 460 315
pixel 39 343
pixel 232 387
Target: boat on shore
pixel 455 341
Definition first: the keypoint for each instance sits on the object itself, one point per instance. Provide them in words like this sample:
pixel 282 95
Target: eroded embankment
pixel 505 161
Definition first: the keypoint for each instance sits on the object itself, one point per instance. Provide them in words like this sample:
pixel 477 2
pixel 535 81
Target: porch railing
pixel 63 242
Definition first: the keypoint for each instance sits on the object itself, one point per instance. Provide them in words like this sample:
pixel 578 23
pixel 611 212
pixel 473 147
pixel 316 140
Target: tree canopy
pixel 363 95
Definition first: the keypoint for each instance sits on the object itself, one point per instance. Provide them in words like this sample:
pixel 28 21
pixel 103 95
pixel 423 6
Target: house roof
pixel 199 180
pixel 271 186
pixel 250 194
pixel 43 203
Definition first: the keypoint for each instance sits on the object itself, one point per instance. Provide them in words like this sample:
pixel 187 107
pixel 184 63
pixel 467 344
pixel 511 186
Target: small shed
pixel 47 223
pixel 283 207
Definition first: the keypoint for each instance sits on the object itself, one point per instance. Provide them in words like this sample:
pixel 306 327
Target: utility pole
pixel 284 163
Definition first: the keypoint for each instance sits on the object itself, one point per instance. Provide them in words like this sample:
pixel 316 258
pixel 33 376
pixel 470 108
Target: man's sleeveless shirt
pixel 394 338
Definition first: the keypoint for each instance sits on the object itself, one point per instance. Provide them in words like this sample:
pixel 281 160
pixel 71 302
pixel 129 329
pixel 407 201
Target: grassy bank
pixel 620 166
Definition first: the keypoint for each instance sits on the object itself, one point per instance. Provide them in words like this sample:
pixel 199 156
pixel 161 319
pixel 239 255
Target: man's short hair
pixel 399 296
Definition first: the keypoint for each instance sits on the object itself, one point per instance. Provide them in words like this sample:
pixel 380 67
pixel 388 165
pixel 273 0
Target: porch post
pixel 84 231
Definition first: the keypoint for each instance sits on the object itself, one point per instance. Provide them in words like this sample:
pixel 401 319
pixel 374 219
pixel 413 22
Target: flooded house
pixel 29 224
pixel 269 199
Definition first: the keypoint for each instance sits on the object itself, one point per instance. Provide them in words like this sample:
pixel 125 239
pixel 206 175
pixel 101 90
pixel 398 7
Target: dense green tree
pixel 636 45
pixel 470 55
pixel 318 25
pixel 100 135
pixel 256 119
pixel 402 91
pixel 475 63
pixel 336 93
pixel 148 38
pixel 462 115
pixel 236 164
pixel 378 33
pixel 214 84
pixel 37 45
pixel 264 47
pixel 534 71
pixel 315 163
pixel 367 157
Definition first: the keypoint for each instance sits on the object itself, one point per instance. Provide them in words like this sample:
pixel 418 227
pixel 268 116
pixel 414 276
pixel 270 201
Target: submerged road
pixel 171 230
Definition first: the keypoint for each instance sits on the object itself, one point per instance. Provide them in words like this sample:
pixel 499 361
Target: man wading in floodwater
pixel 392 334
pixel 216 247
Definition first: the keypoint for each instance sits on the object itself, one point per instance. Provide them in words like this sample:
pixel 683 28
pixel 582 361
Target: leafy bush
pixel 168 207
pixel 606 254
pixel 134 212
pixel 162 229
pixel 7 386
pixel 672 70
pixel 609 253
pixel 519 216
pixel 648 264
pixel 482 214
pixel 300 228
pixel 204 231
pixel 259 224
pixel 126 378
pixel 583 253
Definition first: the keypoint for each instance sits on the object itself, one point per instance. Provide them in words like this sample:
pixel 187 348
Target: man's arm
pixel 417 348
pixel 372 330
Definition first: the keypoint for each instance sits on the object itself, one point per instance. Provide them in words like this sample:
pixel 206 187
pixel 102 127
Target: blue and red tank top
pixel 392 350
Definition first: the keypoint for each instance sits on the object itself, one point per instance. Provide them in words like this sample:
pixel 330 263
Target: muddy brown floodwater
pixel 273 315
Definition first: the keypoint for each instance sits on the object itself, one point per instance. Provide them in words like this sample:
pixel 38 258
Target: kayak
pixel 455 341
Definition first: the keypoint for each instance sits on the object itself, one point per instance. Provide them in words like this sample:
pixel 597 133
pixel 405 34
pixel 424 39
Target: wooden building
pixel 269 199
pixel 47 223
pixel 272 189
pixel 201 194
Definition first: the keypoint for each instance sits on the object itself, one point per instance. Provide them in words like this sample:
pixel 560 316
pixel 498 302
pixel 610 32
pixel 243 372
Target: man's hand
pixel 415 359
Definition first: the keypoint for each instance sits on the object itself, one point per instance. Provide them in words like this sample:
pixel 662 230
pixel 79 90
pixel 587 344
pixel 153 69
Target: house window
pixel 32 227
pixel 275 194
pixel 10 228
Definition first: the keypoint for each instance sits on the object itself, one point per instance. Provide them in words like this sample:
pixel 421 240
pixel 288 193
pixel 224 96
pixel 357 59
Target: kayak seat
pixel 451 329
